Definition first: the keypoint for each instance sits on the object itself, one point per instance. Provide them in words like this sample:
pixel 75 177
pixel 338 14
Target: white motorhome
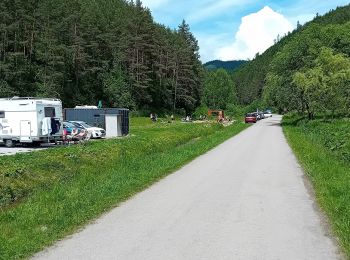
pixel 30 120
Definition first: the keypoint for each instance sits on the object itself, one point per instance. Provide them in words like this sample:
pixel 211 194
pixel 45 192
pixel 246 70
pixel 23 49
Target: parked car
pixel 257 115
pixel 72 132
pixel 262 115
pixel 251 118
pixel 267 113
pixel 95 132
pixel 71 128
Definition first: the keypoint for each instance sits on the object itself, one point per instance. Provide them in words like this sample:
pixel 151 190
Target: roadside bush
pixel 202 110
pixel 333 134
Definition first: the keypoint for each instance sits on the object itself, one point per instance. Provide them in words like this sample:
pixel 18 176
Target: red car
pixel 250 118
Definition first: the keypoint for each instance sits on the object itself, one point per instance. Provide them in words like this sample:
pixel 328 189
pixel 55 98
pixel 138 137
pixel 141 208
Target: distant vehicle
pixel 268 113
pixel 95 132
pixel 257 115
pixel 251 118
pixel 70 128
pixel 74 133
pixel 86 107
pixel 28 120
pixel 262 115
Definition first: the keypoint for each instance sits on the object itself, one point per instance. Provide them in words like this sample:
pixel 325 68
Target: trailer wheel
pixel 9 143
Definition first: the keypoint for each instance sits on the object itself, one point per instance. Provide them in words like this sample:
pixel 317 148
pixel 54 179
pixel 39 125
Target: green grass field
pixel 47 195
pixel 323 149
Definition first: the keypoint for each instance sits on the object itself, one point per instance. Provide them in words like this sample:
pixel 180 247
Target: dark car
pixel 262 116
pixel 257 115
pixel 251 118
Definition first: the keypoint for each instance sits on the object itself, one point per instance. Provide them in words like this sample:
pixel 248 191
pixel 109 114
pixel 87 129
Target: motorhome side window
pixel 2 114
pixel 50 112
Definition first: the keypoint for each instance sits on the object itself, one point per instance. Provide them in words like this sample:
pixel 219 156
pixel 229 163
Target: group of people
pixel 220 118
pixel 154 117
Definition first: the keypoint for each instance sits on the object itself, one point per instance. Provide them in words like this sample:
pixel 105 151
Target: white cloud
pixel 256 34
pixel 207 41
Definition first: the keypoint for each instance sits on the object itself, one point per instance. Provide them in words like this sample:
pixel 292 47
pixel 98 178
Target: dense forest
pixel 83 51
pixel 227 65
pixel 307 70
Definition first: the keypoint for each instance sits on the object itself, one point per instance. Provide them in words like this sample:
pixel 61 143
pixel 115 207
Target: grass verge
pixel 322 147
pixel 47 195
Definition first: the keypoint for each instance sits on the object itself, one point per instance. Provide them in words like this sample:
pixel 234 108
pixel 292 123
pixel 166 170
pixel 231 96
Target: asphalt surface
pixel 246 199
pixel 14 150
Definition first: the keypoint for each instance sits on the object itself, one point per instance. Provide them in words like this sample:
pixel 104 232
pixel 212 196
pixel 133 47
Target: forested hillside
pixel 83 51
pixel 227 65
pixel 292 69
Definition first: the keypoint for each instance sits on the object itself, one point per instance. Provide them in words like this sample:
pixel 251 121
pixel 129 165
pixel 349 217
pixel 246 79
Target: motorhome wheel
pixel 9 143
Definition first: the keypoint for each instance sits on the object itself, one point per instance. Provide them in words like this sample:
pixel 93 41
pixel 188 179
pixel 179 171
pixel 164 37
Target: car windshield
pixel 80 124
pixel 250 115
pixel 85 124
pixel 67 124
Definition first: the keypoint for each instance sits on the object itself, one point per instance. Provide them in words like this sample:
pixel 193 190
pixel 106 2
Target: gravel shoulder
pixel 245 199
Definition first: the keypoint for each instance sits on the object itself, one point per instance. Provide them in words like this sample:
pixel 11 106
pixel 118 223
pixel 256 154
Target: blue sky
pixel 237 29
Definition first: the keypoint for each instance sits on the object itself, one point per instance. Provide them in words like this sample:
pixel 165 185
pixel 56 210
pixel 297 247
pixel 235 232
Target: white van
pixel 30 120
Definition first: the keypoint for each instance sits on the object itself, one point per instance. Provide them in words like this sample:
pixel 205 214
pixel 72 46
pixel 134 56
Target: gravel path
pixel 246 199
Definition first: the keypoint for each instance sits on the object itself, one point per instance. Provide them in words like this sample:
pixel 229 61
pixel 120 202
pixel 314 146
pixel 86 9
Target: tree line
pixel 83 51
pixel 312 72
pixel 307 70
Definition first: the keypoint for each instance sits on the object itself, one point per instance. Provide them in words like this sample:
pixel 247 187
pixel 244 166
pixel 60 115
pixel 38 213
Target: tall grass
pixel 322 148
pixel 49 194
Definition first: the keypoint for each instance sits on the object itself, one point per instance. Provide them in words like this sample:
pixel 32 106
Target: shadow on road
pixel 273 124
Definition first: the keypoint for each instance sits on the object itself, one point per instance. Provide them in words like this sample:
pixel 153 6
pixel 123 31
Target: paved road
pixel 15 150
pixel 246 199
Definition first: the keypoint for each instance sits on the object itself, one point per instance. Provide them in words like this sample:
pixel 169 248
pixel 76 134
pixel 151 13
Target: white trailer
pixel 30 120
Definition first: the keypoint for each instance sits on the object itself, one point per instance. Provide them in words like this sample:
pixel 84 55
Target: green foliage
pixel 83 51
pixel 219 90
pixel 272 75
pixel 230 66
pixel 323 86
pixel 6 90
pixel 323 149
pixel 235 110
pixel 310 74
pixel 202 110
pixel 49 194
pixel 116 90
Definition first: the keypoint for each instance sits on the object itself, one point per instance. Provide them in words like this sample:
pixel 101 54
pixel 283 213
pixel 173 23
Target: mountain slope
pixel 227 65
pixel 250 77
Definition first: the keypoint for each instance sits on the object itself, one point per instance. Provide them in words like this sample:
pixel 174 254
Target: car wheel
pixel 9 143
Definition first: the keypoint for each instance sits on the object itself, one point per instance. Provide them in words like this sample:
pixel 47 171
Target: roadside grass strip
pixel 47 195
pixel 322 149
